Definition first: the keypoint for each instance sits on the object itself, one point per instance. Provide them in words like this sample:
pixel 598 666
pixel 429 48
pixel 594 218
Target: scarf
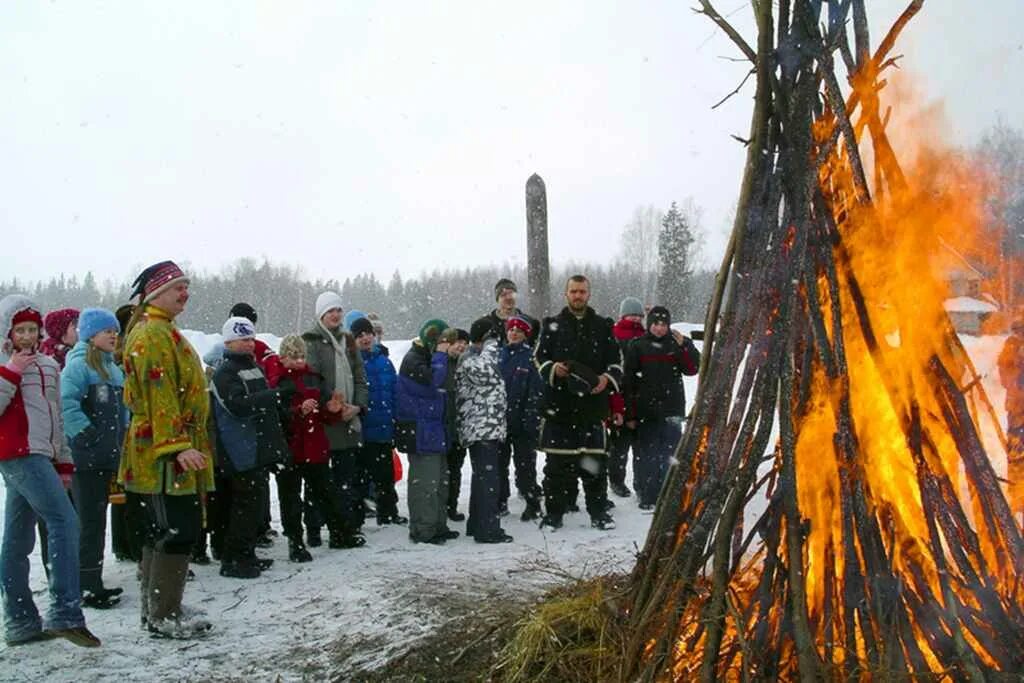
pixel 343 378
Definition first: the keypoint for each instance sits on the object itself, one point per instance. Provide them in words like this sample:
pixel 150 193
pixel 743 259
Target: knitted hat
pixel 96 320
pixel 658 314
pixel 461 334
pixel 292 346
pixel 503 284
pixel 27 315
pixel 14 310
pixel 237 328
pixel 481 329
pixel 56 323
pixel 449 336
pixel 244 310
pixel 430 331
pixel 517 323
pixel 350 318
pixel 326 302
pixel 631 306
pixel 360 327
pixel 157 278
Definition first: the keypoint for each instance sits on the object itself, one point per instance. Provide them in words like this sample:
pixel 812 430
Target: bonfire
pixel 872 536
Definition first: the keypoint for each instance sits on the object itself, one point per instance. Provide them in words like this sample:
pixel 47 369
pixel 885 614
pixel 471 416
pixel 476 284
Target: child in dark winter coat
pixel 35 465
pixel 524 389
pixel 248 414
pixel 375 454
pixel 92 388
pixel 420 433
pixel 655 399
pixel 308 412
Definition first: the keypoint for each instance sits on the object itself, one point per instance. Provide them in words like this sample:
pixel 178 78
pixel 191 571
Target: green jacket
pixel 320 356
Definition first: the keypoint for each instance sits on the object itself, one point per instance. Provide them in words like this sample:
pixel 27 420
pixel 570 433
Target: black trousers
pixel 91 491
pixel 125 534
pixel 244 514
pixel 561 472
pixel 520 450
pixel 620 440
pixel 347 477
pixel 377 466
pixel 319 491
pixel 173 522
pixel 218 511
pixel 655 443
pixel 265 503
pixel 484 495
pixel 456 458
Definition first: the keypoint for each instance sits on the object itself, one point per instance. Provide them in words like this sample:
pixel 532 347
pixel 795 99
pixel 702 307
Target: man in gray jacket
pixel 481 401
pixel 333 355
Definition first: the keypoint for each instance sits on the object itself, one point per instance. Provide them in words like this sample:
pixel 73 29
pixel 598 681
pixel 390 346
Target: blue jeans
pixel 34 490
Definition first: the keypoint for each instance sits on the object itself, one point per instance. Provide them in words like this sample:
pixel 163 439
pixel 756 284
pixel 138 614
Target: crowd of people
pixel 115 413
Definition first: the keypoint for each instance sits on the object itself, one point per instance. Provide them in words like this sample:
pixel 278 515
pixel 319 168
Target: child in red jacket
pixel 310 459
pixel 34 462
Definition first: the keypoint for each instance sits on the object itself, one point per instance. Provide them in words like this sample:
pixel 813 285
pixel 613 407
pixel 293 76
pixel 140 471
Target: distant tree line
pixel 654 264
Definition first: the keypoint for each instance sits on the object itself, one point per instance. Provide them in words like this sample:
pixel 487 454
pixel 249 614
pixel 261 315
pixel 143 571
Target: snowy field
pixel 349 610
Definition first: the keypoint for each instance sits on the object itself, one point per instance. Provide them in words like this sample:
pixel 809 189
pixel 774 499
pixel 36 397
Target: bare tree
pixel 1002 151
pixel 638 250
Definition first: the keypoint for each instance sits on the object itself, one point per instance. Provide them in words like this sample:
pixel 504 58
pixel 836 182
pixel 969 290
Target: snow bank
pixel 966 304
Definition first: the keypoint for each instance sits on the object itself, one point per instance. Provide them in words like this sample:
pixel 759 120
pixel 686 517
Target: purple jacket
pixel 420 402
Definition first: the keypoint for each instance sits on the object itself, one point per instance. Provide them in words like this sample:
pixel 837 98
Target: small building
pixel 968 306
pixel 969 314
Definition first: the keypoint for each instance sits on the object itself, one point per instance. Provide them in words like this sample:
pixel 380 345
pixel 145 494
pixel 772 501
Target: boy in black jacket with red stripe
pixel 656 400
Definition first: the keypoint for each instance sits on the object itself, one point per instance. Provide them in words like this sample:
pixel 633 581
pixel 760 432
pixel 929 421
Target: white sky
pixel 350 137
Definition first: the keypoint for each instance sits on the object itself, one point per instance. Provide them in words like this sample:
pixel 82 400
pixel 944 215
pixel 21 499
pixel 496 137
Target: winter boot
pixel 313 537
pixel 297 551
pixel 339 540
pixel 240 569
pixel 456 516
pixel 101 599
pixel 167 619
pixel 619 489
pixel 79 635
pixel 604 522
pixel 551 521
pixel 145 569
pixel 531 512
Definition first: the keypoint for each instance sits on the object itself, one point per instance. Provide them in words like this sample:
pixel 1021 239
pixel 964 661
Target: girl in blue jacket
pixel 92 386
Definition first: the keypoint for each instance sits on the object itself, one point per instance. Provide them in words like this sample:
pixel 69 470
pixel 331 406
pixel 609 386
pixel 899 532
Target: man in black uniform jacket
pixel 579 362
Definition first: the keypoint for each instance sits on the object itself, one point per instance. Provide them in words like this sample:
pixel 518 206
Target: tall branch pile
pixel 789 330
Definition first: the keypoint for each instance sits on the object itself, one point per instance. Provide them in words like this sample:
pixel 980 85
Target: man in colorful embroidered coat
pixel 167 452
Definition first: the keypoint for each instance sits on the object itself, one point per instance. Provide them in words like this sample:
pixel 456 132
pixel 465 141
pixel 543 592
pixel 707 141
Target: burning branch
pixel 883 543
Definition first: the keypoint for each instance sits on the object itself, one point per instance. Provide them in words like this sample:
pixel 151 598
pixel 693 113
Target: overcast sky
pixel 351 137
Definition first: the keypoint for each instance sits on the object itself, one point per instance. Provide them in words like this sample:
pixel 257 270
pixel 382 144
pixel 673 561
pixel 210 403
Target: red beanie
pixel 517 323
pixel 25 315
pixel 57 322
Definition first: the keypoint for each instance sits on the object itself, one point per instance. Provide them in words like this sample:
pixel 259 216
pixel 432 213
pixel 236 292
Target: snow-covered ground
pixel 348 609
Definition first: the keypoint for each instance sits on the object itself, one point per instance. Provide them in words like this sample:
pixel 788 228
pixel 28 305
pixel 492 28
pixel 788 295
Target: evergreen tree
pixel 674 264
